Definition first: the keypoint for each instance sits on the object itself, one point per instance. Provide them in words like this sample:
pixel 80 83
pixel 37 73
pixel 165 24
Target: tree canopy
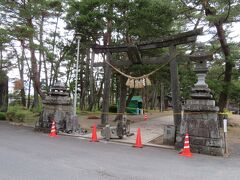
pixel 37 39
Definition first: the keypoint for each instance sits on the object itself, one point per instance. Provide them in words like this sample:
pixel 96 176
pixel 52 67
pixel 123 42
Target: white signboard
pixel 225 125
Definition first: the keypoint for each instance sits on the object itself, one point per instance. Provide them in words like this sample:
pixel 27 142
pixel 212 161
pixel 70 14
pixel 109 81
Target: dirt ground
pixel 234 134
pixel 86 121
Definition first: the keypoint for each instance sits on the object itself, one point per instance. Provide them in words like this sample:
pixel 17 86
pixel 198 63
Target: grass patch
pixel 84 113
pixel 21 114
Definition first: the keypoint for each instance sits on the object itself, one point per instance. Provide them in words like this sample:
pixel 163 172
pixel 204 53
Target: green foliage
pixel 141 18
pixel 214 78
pixel 2 116
pixel 235 91
pixel 38 109
pixel 187 80
pixel 4 36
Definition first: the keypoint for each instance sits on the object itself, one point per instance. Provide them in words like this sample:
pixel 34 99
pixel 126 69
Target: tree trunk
pixel 130 97
pixel 53 68
pixel 223 98
pixel 162 107
pixel 91 81
pixel 154 97
pixel 82 83
pixel 29 94
pixel 21 72
pixel 3 91
pixel 218 23
pixel 35 100
pixel 34 66
pixel 1 56
pixel 42 54
pixel 20 64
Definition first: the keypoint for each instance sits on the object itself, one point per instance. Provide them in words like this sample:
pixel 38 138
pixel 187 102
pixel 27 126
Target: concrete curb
pixel 118 141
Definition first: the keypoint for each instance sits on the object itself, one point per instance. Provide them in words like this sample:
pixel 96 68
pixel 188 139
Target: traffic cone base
pixel 186 154
pixel 138 140
pixel 186 149
pixel 138 146
pixel 94 134
pixel 53 135
pixel 145 117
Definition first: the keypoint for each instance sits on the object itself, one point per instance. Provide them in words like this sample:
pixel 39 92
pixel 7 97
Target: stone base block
pixel 205 102
pixel 200 108
pixel 214 151
pixel 205 133
pixel 206 141
pixel 169 135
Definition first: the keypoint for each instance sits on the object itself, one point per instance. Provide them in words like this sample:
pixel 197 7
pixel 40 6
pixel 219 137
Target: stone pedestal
pixel 201 122
pixel 201 118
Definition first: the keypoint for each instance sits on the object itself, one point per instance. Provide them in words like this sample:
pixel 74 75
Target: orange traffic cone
pixel 138 140
pixel 53 132
pixel 94 134
pixel 186 149
pixel 145 117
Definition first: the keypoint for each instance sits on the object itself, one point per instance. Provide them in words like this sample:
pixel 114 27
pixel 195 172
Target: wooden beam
pixel 156 60
pixel 146 60
pixel 118 63
pixel 181 38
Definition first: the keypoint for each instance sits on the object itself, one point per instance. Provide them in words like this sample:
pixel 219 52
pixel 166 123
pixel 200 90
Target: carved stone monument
pixel 57 106
pixel 201 114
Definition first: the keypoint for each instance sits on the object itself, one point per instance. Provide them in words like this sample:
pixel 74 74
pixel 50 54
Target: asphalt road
pixel 29 155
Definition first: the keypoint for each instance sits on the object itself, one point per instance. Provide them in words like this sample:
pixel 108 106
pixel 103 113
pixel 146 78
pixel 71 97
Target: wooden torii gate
pixel 134 55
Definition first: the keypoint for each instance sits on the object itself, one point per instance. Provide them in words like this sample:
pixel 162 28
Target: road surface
pixel 29 155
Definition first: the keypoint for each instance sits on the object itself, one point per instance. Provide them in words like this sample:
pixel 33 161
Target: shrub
pixel 19 117
pixel 15 116
pixel 10 116
pixel 21 114
pixel 113 108
pixel 2 116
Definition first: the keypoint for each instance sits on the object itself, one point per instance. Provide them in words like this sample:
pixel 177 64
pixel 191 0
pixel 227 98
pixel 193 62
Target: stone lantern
pixel 57 106
pixel 201 114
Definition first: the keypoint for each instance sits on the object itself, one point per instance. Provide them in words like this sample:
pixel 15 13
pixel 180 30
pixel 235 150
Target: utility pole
pixel 78 37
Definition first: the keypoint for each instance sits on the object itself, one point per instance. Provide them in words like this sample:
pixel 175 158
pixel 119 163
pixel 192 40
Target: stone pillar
pixel 201 115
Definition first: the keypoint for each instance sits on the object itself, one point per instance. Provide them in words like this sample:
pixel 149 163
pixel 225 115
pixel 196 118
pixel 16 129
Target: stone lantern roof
pixel 59 89
pixel 59 94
